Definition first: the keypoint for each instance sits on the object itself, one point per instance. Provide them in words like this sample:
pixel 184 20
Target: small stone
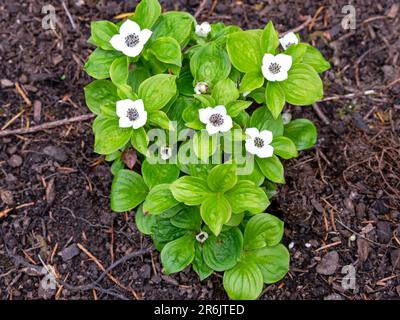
pixel 56 153
pixel 328 264
pixel 5 83
pixel 384 231
pixel 69 252
pixel 12 149
pixel 15 161
pixel 395 258
pixel 333 296
pixel 37 111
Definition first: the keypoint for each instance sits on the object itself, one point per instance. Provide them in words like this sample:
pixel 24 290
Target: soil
pixel 340 204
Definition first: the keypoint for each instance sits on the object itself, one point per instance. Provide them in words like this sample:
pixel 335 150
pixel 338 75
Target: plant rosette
pixel 190 117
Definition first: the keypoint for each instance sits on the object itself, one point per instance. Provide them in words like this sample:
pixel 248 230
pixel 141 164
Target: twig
pixel 320 114
pixel 200 8
pixel 349 96
pixel 5 212
pixel 300 27
pixel 48 125
pixel 329 246
pixel 23 94
pixel 71 20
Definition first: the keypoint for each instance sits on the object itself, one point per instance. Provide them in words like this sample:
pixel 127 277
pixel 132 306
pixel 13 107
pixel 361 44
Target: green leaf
pixel 225 91
pixel 109 137
pixel 102 32
pixel 262 230
pixel 297 52
pixel 189 218
pixel 246 196
pixel 159 119
pixel 119 71
pixel 222 252
pixel 178 254
pixel 222 177
pixel 302 132
pixel 284 147
pixel 126 92
pixel 157 91
pixel 244 281
pixel 269 39
pixel 256 176
pixel 303 86
pixel 215 211
pixel 204 145
pixel 210 64
pixel 315 59
pixel 137 74
pixel 198 264
pixel 235 220
pixel 235 107
pixel 139 140
pixel 167 50
pixel 251 81
pixel 159 173
pixel 200 170
pixel 145 222
pixel 275 98
pixel 185 81
pixel 262 119
pixel 244 49
pixel 190 190
pixel 178 25
pixel 147 13
pixel 128 190
pixel 98 93
pixel 272 168
pixel 99 63
pixel 205 100
pixel 159 200
pixel 117 166
pixel 273 262
pixel 164 232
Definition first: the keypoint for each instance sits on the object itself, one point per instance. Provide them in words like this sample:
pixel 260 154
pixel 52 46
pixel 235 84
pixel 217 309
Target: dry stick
pixel 300 27
pixel 48 125
pixel 71 20
pixel 200 8
pixel 320 114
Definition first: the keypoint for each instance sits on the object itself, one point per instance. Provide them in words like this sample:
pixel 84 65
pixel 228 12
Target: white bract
pixel 286 117
pixel 202 237
pixel 201 87
pixel 258 143
pixel 131 114
pixel 202 30
pixel 166 153
pixel 216 119
pixel 131 39
pixel 289 39
pixel 275 68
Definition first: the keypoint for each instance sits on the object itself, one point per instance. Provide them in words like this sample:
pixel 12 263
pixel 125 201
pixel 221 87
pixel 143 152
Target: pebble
pixel 56 153
pixel 333 296
pixel 5 83
pixel 384 231
pixel 328 264
pixel 69 252
pixel 15 161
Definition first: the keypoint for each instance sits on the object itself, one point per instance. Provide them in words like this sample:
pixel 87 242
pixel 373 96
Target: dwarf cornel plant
pixel 190 116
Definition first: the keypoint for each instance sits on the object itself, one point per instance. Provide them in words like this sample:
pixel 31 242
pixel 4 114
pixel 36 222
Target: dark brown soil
pixel 341 198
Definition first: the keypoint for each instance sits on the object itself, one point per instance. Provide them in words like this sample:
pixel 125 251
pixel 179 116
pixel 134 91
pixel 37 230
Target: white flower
pixel 286 117
pixel 258 143
pixel 202 237
pixel 165 152
pixel 216 119
pixel 202 30
pixel 275 68
pixel 131 114
pixel 130 39
pixel 289 39
pixel 201 87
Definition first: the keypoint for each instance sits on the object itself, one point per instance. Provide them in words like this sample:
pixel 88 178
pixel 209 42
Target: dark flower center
pixel 274 68
pixel 217 120
pixel 132 114
pixel 132 40
pixel 258 142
